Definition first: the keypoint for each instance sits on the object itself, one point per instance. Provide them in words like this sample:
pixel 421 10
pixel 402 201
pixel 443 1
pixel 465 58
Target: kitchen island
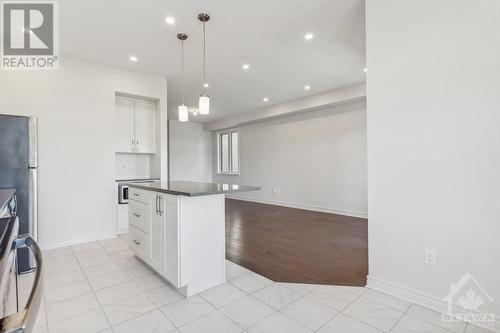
pixel 178 229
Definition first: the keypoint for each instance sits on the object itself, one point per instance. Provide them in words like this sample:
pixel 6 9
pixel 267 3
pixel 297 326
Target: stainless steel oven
pixel 16 315
pixel 123 187
pixel 123 193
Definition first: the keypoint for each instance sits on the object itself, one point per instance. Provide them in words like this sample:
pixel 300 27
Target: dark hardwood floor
pixel 294 245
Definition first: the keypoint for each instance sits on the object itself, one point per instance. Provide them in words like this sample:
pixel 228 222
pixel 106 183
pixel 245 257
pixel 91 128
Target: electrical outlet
pixel 430 257
pixel 276 191
pixel 124 165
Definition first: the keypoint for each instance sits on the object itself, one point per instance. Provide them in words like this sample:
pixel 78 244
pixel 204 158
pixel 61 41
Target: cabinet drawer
pixel 139 215
pixel 138 195
pixel 139 243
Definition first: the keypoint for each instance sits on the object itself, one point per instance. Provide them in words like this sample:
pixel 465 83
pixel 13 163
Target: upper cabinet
pixel 135 125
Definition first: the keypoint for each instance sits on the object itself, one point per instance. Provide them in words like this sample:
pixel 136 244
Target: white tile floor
pixel 102 287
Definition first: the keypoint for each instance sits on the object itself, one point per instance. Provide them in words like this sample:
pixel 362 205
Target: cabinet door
pixel 157 231
pixel 145 126
pixel 170 215
pixel 124 122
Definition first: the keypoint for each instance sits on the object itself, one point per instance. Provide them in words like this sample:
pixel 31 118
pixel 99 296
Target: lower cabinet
pixel 169 204
pixel 154 232
pixel 179 237
pixel 139 242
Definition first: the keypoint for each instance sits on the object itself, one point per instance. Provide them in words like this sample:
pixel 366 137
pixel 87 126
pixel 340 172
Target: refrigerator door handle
pixel 33 141
pixel 33 202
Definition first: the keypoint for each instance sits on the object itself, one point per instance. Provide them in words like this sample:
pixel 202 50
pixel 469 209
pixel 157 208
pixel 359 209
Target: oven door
pixel 8 273
pixel 15 317
pixel 122 193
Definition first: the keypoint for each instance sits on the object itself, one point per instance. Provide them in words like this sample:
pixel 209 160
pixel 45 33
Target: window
pixel 228 152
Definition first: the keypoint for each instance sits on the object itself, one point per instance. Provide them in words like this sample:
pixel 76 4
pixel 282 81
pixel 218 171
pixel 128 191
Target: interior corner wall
pixel 190 152
pixel 316 160
pixel 434 145
pixel 76 123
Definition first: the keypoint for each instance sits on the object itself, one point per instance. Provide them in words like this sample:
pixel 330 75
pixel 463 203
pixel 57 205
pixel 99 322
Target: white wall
pixel 133 166
pixel 190 152
pixel 434 144
pixel 75 110
pixel 317 160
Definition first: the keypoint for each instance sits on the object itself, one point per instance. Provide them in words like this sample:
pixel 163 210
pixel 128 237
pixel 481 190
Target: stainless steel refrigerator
pixel 18 169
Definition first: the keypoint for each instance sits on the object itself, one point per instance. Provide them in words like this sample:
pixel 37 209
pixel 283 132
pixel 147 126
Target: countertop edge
pixel 189 194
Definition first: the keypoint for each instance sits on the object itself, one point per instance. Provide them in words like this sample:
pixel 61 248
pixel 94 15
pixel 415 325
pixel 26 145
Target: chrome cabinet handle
pixel 133 145
pixel 157 204
pixel 135 194
pixel 136 242
pixel 137 215
pixel 161 204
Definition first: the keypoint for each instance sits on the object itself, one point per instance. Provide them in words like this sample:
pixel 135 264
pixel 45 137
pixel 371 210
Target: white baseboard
pixel 305 207
pixel 122 231
pixel 413 296
pixel 74 241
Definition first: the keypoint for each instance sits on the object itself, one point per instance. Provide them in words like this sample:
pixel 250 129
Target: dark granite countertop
pixel 137 180
pixel 5 194
pixel 193 189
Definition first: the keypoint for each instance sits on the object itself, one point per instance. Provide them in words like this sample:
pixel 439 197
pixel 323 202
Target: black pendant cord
pixel 204 56
pixel 182 38
pixel 182 80
pixel 204 18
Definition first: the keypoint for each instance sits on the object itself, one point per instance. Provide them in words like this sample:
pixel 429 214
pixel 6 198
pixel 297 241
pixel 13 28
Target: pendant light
pixel 204 104
pixel 183 110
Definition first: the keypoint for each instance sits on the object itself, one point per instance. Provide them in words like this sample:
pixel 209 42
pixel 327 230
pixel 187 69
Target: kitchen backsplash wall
pixel 131 166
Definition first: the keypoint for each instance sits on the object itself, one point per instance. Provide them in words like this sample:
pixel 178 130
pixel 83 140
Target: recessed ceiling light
pixel 365 70
pixel 246 66
pixel 307 87
pixel 205 85
pixel 265 99
pixel 308 36
pixel 170 20
pixel 133 58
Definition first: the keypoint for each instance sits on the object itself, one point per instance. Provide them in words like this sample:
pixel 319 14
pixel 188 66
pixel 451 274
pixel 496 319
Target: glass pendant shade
pixel 183 113
pixel 204 105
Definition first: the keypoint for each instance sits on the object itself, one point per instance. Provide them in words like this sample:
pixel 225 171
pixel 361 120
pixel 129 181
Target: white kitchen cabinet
pixel 135 125
pixel 169 211
pixel 183 240
pixel 157 234
pixel 124 120
pixel 145 127
pixel 165 236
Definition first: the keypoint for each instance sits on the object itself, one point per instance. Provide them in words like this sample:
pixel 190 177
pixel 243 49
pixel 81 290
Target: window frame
pixel 231 171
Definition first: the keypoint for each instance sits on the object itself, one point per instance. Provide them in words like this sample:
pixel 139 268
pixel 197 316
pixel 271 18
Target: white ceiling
pixel 267 34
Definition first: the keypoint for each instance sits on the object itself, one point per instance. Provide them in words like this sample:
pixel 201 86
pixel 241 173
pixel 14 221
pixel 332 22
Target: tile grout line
pixel 339 311
pixel 156 307
pixel 397 321
pixel 132 280
pixel 430 323
pixel 143 291
pixel 92 290
pixel 284 314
